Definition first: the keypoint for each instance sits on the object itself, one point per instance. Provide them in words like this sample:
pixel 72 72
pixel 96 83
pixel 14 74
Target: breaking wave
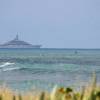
pixel 11 69
pixel 6 64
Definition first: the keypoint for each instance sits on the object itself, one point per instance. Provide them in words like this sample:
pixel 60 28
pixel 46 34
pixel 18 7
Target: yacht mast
pixel 17 37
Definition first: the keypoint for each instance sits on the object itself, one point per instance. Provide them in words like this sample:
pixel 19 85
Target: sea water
pixel 24 69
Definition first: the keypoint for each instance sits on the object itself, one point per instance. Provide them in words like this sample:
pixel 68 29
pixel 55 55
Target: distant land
pixel 17 43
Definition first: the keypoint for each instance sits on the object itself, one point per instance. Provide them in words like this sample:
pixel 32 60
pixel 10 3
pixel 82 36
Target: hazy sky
pixel 52 23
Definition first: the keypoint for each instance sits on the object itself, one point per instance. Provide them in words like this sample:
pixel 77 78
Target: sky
pixel 51 23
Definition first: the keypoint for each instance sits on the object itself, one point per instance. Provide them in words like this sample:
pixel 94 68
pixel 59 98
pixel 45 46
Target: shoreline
pixel 90 92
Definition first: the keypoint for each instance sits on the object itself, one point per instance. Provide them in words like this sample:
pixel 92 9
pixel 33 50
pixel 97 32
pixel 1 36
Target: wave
pixel 10 69
pixel 6 64
pixel 51 60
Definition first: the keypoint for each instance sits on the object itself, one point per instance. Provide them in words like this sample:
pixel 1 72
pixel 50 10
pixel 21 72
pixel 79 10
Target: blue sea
pixel 24 69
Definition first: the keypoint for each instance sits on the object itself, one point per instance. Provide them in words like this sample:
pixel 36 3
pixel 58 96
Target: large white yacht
pixel 16 43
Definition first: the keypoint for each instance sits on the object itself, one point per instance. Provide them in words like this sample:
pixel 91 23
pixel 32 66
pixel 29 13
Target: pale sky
pixel 52 23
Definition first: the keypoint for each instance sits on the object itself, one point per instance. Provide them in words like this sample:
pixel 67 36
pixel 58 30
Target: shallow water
pixel 24 69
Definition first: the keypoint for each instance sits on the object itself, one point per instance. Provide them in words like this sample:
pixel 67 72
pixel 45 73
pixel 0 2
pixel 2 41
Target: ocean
pixel 26 69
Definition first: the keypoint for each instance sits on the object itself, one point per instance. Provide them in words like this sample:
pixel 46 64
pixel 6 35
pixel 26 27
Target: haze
pixel 52 23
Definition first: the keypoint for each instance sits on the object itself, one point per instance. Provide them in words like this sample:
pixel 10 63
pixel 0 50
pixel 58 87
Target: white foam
pixel 10 69
pixel 6 64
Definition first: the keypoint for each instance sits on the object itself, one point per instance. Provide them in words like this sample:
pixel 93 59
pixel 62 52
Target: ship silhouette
pixel 17 43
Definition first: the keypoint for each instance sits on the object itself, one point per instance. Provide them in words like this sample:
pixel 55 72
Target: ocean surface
pixel 25 69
